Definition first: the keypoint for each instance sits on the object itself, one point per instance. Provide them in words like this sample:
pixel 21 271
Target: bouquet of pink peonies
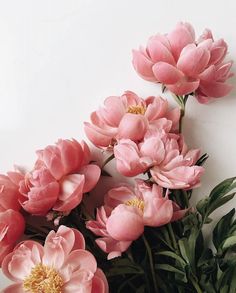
pixel 68 226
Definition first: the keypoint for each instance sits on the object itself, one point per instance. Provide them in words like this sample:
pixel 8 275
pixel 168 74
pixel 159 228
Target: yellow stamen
pixel 136 202
pixel 43 279
pixel 137 110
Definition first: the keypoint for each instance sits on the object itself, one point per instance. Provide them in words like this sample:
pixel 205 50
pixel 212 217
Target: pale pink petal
pixel 167 73
pixel 159 52
pixel 143 65
pixel 15 288
pixel 181 36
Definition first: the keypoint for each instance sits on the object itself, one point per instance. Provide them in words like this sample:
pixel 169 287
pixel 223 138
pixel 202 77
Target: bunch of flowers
pixel 144 236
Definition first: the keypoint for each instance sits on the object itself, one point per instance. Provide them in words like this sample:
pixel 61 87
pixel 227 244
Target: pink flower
pixel 177 61
pixel 9 194
pixel 129 117
pixel 212 80
pixel 171 164
pixel 39 191
pixel 127 211
pixel 12 226
pixel 62 174
pixel 63 265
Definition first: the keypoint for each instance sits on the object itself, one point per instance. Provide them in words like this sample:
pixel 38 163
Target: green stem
pixel 195 285
pixel 181 100
pixel 151 263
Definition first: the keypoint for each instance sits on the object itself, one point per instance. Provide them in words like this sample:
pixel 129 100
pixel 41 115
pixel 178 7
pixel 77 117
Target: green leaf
pixel 173 256
pixel 202 159
pixel 222 229
pixel 229 242
pixel 202 205
pixel 219 202
pixel 184 249
pixel 169 268
pixel 222 189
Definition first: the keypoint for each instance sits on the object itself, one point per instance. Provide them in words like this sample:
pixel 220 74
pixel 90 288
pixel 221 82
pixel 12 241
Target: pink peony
pixel 9 194
pixel 62 174
pixel 62 265
pixel 171 164
pixel 212 80
pixel 127 211
pixel 129 117
pixel 182 65
pixel 12 227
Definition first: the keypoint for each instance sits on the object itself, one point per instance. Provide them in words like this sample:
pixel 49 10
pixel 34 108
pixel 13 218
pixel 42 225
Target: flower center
pixel 136 202
pixel 43 279
pixel 136 110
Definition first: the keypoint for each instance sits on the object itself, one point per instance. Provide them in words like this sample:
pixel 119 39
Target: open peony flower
pixel 62 174
pixel 9 194
pixel 127 210
pixel 129 117
pixel 166 155
pixel 12 225
pixel 61 266
pixel 182 64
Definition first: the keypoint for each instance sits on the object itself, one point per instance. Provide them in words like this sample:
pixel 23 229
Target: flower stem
pixel 181 100
pixel 149 252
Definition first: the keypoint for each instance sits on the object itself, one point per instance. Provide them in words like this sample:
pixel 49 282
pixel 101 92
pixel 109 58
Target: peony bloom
pixel 127 210
pixel 212 79
pixel 62 265
pixel 129 117
pixel 62 174
pixel 9 194
pixel 181 63
pixel 166 155
pixel 12 225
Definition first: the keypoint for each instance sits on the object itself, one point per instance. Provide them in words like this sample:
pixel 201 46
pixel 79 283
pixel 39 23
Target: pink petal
pixel 15 288
pixel 98 136
pixel 92 174
pixel 215 89
pixel 143 65
pixel 132 126
pixel 180 37
pixel 159 52
pixel 81 260
pixel 193 60
pixel 184 87
pixel 125 223
pixel 166 73
pixel 71 192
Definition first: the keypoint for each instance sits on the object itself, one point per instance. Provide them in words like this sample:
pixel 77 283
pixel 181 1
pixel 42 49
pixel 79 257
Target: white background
pixel 60 59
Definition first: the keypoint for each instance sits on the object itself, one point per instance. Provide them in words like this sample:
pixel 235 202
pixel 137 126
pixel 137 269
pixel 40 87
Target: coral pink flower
pixel 9 194
pixel 12 227
pixel 39 190
pixel 129 116
pixel 62 265
pixel 127 211
pixel 171 164
pixel 62 174
pixel 177 61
